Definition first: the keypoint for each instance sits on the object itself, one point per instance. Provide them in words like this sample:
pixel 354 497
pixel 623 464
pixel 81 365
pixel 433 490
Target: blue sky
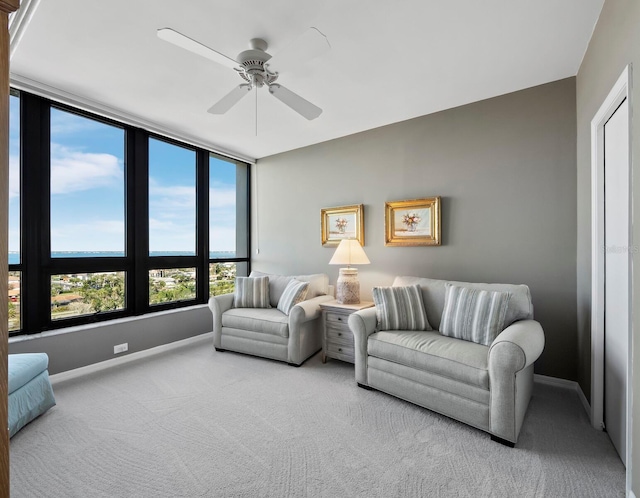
pixel 87 190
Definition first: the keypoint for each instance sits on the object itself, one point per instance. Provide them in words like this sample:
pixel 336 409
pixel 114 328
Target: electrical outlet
pixel 121 348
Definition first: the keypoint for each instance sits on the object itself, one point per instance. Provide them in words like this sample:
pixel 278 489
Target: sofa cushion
pixel 318 284
pixel 294 293
pixel 251 292
pixel 432 352
pixel 400 308
pixel 433 293
pixel 264 320
pixel 474 315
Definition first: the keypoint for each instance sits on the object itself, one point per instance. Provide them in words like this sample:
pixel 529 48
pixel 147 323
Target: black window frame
pixel 36 264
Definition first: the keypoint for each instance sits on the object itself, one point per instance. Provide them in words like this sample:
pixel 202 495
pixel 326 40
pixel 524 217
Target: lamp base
pixel 348 286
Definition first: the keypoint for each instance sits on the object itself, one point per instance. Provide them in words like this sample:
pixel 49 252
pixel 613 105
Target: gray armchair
pixel 268 332
pixel 488 387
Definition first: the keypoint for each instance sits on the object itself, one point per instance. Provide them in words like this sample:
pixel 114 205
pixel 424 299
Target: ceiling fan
pixel 254 65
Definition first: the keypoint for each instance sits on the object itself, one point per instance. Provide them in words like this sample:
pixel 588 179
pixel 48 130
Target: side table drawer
pixel 339 335
pixel 341 352
pixel 337 319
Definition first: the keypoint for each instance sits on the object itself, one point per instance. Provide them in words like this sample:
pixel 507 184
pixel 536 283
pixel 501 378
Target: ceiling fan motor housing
pixel 252 62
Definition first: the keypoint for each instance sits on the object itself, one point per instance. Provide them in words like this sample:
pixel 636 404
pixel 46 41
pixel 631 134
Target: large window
pixel 172 199
pixel 15 322
pixel 172 284
pixel 14 179
pixel 14 301
pixel 108 220
pixel 87 187
pixel 222 208
pixel 228 223
pixel 86 294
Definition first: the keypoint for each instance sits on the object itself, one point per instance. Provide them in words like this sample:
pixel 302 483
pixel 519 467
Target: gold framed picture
pixel 344 222
pixel 412 223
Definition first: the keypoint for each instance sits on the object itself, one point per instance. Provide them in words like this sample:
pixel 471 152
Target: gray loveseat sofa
pixel 487 387
pixel 268 332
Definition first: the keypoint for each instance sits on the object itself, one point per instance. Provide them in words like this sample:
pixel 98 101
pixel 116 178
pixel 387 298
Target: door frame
pixel 620 91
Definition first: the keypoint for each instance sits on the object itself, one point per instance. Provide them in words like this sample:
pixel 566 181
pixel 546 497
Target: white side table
pixel 337 339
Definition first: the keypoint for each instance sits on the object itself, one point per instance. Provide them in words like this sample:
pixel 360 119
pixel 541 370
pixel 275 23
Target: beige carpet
pixel 193 422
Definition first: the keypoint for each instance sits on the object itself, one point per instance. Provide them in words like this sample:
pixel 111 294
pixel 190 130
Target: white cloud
pixel 222 217
pixel 14 177
pixel 184 197
pixel 170 198
pixel 73 170
pixel 66 123
pixel 167 235
pixel 222 197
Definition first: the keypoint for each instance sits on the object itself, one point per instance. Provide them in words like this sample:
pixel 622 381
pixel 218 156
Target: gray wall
pixel 505 168
pixel 81 346
pixel 614 44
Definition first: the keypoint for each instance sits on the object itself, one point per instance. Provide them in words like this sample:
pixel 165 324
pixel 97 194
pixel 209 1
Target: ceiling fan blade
pixel 309 45
pixel 293 100
pixel 182 41
pixel 230 99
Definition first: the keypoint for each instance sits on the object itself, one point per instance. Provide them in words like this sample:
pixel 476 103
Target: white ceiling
pixel 389 61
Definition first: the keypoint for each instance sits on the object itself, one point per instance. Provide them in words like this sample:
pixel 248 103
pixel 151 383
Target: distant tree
pixel 56 289
pixel 79 308
pixel 221 287
pixel 13 311
pixel 177 293
pixel 103 292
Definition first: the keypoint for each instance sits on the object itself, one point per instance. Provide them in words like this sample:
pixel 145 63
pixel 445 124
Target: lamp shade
pixel 349 252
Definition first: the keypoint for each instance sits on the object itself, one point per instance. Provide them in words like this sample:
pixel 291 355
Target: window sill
pixel 89 326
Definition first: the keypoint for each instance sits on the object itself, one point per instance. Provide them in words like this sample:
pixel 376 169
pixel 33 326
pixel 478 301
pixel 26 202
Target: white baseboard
pixel 96 367
pixel 632 494
pixel 567 384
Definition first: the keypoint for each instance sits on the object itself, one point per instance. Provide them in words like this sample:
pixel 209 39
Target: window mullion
pixel 138 219
pixel 202 225
pixel 35 188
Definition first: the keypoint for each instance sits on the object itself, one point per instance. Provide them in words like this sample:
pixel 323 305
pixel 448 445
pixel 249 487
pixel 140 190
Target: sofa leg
pixel 502 441
pixel 293 365
pixel 220 350
pixel 363 386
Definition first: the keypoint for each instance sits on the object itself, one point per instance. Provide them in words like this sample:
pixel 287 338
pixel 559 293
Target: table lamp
pixel 349 252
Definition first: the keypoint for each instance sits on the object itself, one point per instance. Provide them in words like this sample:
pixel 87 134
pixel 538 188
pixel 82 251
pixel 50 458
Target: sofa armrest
pixel 218 305
pixel 307 310
pixel 511 358
pixel 362 324
pixel 517 346
pixel 303 320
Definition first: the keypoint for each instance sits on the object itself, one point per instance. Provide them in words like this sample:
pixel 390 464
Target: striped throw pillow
pixel 400 308
pixel 251 292
pixel 294 292
pixel 474 315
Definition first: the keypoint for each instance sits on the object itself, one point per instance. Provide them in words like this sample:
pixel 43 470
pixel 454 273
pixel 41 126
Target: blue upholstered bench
pixel 30 392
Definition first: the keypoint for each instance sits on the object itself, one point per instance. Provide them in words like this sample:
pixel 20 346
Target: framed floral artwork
pixel 344 222
pixel 412 223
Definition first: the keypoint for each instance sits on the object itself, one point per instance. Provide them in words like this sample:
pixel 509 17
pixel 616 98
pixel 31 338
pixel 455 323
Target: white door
pixel 617 275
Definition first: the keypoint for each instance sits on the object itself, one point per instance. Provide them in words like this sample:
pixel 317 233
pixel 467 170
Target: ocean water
pixel 14 257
